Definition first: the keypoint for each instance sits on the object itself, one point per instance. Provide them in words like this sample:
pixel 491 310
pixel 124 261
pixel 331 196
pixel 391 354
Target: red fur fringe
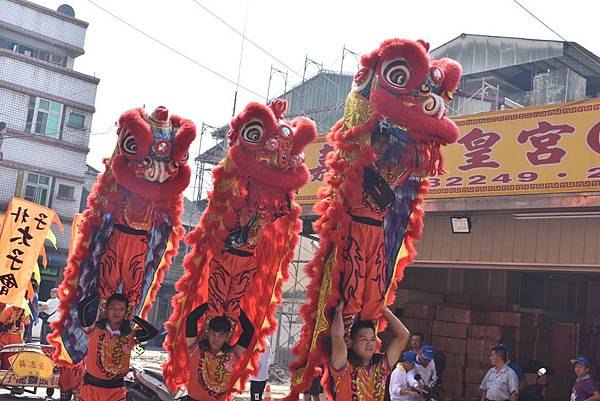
pixel 344 177
pixel 105 198
pixel 278 244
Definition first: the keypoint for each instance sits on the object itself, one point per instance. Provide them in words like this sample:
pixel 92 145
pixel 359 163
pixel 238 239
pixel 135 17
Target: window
pixel 37 188
pixel 45 55
pixel 76 120
pixel 44 117
pixel 83 203
pixel 66 191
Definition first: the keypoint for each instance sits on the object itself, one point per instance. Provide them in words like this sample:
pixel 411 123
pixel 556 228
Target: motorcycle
pixel 147 384
pixel 432 392
pixel 534 392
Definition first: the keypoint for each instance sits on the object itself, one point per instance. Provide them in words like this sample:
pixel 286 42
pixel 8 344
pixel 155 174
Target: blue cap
pixel 581 360
pixel 505 346
pixel 409 356
pixel 428 352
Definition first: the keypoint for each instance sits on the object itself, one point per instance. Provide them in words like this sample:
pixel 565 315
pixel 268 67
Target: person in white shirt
pixel 51 314
pixel 259 382
pixel 400 390
pixel 425 367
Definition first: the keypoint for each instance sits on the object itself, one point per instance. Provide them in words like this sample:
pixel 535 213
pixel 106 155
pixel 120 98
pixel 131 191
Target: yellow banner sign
pixel 25 228
pixel 536 150
pixel 549 149
pixel 29 363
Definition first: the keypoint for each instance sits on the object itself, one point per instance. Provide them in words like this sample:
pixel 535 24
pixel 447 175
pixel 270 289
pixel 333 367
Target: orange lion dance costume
pixel 247 235
pixel 131 229
pixel 385 146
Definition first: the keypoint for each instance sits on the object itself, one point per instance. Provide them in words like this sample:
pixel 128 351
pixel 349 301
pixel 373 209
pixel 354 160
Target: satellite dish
pixel 67 10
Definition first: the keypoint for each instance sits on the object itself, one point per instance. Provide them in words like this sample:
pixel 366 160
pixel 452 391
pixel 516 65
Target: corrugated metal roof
pixel 479 53
pixel 321 98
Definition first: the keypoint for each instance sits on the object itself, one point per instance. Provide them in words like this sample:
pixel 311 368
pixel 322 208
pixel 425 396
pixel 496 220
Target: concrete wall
pixel 43 23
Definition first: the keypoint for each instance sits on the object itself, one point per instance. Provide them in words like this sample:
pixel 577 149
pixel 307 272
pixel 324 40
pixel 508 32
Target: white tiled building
pixel 47 110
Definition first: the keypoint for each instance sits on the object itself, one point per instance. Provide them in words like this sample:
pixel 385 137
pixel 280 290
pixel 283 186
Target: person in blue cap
pixel 425 366
pixel 584 388
pixel 400 390
pixel 514 366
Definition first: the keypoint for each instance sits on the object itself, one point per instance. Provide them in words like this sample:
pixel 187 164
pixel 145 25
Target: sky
pixel 135 71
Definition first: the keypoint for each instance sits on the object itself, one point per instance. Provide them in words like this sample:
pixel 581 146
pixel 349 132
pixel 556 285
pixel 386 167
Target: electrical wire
pixel 172 49
pixel 553 31
pixel 259 47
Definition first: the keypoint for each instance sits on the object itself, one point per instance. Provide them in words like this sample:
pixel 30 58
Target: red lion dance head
pixel 268 148
pixel 152 153
pixel 246 236
pixel 402 84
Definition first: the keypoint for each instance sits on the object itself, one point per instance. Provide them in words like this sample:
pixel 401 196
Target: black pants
pixel 46 329
pixel 257 389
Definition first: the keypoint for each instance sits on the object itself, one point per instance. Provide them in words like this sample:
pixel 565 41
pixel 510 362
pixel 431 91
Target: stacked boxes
pixel 466 327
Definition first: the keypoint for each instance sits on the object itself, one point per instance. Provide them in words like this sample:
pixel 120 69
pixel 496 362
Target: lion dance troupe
pixel 387 144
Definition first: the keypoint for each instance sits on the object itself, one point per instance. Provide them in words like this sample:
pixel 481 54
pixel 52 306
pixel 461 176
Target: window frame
pixel 65 197
pixel 36 111
pixel 75 126
pixel 37 185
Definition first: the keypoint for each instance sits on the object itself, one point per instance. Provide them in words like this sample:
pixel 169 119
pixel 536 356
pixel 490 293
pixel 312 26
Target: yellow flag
pixel 52 238
pixel 36 273
pixel 30 363
pixel 25 228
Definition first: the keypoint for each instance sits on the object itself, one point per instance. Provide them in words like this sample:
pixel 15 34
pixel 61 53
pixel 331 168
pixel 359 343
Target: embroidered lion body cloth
pixel 246 237
pixel 131 229
pixel 385 146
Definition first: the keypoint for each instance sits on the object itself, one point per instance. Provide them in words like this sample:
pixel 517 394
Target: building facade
pixel 47 109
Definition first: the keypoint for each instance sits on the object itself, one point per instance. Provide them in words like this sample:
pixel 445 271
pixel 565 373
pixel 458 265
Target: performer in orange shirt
pixel 356 371
pixel 110 342
pixel 12 325
pixel 212 359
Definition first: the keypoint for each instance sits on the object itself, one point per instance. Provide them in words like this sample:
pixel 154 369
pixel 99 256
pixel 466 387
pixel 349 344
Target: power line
pixel 553 31
pixel 173 49
pixel 259 47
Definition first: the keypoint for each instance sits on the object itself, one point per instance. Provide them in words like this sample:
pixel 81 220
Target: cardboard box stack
pixel 466 327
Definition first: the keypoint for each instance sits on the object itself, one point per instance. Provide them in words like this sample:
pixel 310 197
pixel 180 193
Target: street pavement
pixel 148 359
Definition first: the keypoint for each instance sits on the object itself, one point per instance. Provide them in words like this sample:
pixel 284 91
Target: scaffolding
pixel 208 160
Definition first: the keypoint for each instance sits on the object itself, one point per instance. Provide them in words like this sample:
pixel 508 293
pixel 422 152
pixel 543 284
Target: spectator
pixel 259 382
pixel 416 342
pixel 33 307
pixel 400 390
pixel 514 366
pixel 425 367
pixel 584 388
pixel 500 382
pixel 49 314
pixel 315 393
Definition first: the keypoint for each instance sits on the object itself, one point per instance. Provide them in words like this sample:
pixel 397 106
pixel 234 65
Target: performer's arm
pixel 246 336
pixel 401 336
pixel 339 351
pixel 191 324
pixel 87 317
pixel 146 331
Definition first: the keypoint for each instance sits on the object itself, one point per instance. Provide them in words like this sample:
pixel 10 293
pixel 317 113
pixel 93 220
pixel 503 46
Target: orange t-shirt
pixel 108 353
pixel 366 382
pixel 210 374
